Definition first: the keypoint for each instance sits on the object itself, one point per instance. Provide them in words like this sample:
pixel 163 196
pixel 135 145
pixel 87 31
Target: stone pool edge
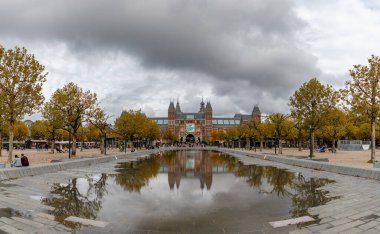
pixel 369 173
pixel 13 173
pixel 18 172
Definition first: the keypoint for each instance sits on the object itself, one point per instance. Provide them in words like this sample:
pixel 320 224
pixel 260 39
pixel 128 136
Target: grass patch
pixel 370 161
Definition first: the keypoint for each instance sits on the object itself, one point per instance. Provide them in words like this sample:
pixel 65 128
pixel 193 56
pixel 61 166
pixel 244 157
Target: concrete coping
pixel 17 172
pixel 12 173
pixel 370 173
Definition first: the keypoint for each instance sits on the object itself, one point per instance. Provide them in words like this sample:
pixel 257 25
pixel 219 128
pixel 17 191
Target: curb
pixel 370 173
pixel 13 173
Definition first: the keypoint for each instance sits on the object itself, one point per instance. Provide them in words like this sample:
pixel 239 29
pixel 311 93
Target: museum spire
pixel 177 107
pixel 202 108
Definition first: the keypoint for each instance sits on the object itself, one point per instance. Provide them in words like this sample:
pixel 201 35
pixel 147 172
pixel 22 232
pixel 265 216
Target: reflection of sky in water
pixel 139 196
pixel 157 201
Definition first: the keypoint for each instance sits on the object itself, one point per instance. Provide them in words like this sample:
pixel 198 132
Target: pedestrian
pixel 24 161
pixel 16 162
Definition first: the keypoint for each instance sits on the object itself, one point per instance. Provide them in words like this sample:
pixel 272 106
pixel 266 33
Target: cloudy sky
pixel 140 54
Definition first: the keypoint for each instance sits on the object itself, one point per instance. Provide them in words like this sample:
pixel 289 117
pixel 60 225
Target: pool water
pixel 186 191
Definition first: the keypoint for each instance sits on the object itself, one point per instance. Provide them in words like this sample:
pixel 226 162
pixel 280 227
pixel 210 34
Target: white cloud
pixel 340 34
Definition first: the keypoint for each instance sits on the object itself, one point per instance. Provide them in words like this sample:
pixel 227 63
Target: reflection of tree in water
pixel 67 200
pixel 132 176
pixel 308 195
pixel 277 178
pixel 226 160
pixel 304 193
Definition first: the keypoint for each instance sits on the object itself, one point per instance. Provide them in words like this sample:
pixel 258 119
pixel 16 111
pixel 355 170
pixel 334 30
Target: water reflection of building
pixel 191 165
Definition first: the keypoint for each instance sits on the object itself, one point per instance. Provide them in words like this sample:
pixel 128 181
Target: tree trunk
pixel 102 145
pixel 333 146
pixel 261 144
pixel 279 146
pixel 248 143
pixel 239 144
pixel 299 139
pixel 10 142
pixel 312 144
pixel 74 145
pixel 1 144
pixel 125 146
pixel 373 141
pixel 52 146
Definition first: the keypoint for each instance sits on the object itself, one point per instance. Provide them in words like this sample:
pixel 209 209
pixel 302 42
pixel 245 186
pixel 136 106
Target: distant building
pixel 28 123
pixel 197 126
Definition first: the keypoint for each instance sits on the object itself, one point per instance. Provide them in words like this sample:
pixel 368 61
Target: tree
pixel 215 135
pixel 21 80
pixel 311 102
pixel 231 134
pixel 73 105
pixel 54 122
pixel 335 126
pixel 130 125
pixel 151 131
pixel 299 125
pixel 99 119
pixel 242 132
pixel 259 130
pixel 20 131
pixel 169 136
pixel 282 127
pixel 38 130
pixel 364 93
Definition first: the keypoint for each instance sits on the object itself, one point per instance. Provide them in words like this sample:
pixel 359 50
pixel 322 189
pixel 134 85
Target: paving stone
pixel 6 220
pixel 361 215
pixel 28 222
pixel 371 231
pixel 320 227
pixel 326 220
pixel 301 231
pixel 342 227
pixel 9 229
pixel 369 225
pixel 353 231
pixel 340 221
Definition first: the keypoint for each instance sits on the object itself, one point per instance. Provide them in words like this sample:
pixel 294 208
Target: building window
pixel 232 121
pixel 237 121
pixel 214 121
pixel 220 121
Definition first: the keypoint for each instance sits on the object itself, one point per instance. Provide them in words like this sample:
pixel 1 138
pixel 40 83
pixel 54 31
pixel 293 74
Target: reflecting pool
pixel 186 191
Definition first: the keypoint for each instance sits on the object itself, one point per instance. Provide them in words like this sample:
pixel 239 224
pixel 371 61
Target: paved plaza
pixel 355 209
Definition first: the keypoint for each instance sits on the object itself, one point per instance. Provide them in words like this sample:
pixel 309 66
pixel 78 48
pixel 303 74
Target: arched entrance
pixel 190 138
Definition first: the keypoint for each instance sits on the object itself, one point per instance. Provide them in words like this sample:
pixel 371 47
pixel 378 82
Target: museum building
pixel 197 126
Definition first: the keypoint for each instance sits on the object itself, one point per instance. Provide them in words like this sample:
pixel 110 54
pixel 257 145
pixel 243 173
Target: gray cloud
pixel 237 53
